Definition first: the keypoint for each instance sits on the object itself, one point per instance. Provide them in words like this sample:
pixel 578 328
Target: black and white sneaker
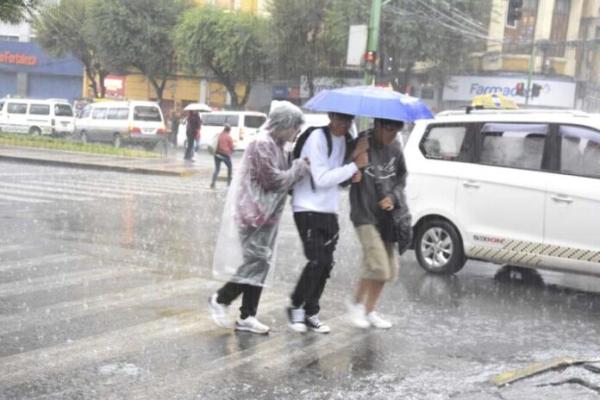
pixel 314 324
pixel 296 319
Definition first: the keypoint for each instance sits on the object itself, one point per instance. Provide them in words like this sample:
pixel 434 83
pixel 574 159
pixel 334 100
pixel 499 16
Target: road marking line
pixel 41 260
pixel 54 189
pixel 105 302
pixel 63 280
pixel 159 188
pixel 14 247
pixel 42 195
pixel 100 187
pixel 28 366
pixel 22 200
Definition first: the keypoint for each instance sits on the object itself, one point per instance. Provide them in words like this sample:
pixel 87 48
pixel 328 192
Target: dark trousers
pixel 221 158
pixel 319 234
pixel 189 149
pixel 250 297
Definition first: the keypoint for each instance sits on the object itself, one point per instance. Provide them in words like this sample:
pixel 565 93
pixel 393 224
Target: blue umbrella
pixel 370 101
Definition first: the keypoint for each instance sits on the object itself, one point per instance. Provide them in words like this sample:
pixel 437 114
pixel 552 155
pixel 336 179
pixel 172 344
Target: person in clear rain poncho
pixel 245 250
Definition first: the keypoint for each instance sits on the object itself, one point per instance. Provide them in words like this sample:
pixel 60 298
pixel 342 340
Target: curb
pixel 108 167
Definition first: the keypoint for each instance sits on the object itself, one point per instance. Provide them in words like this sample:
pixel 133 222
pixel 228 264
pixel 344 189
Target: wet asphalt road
pixel 104 278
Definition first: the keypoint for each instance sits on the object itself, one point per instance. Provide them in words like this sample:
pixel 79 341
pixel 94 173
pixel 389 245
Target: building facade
pixel 541 53
pixel 26 70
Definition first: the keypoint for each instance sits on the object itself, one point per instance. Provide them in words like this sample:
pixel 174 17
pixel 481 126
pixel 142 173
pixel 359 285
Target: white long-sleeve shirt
pixel 327 173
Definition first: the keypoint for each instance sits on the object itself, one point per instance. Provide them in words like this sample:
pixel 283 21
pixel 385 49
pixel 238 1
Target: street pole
pixel 373 41
pixel 529 74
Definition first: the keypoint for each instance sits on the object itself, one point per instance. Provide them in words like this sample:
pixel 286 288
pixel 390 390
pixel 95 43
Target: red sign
pixel 17 58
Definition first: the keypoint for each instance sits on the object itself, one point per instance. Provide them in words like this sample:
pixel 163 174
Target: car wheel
pixel 83 137
pixel 35 131
pixel 117 140
pixel 439 247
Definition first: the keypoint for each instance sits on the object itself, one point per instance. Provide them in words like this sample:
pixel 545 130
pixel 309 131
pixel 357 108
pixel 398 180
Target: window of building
pixel 6 38
pixel 518 37
pixel 579 151
pixel 39 109
pixel 560 23
pixel 513 145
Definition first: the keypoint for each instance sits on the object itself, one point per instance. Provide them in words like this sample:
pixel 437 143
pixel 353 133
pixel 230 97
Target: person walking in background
pixel 223 155
pixel 245 249
pixel 372 201
pixel 192 132
pixel 315 201
pixel 174 126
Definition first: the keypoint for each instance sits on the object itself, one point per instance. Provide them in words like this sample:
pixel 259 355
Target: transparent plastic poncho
pixel 245 249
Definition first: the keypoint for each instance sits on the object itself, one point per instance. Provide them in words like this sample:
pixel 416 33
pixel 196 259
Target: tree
pixel 16 11
pixel 64 29
pixel 306 39
pixel 136 34
pixel 229 44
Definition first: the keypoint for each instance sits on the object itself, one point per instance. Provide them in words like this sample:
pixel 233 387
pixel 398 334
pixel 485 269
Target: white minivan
pixel 244 127
pixel 121 122
pixel 511 187
pixel 36 117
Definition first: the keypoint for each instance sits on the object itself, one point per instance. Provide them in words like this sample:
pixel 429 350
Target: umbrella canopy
pixel 494 100
pixel 370 101
pixel 197 107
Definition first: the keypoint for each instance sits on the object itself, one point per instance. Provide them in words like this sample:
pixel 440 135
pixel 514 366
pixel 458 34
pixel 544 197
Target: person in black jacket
pixel 373 200
pixel 192 131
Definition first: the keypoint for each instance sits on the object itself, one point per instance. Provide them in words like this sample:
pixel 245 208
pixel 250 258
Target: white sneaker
pixel 314 324
pixel 357 315
pixel 296 319
pixel 219 312
pixel 251 324
pixel 377 322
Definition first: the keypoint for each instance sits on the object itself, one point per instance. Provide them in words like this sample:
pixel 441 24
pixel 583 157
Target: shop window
pixel 560 23
pixel 520 26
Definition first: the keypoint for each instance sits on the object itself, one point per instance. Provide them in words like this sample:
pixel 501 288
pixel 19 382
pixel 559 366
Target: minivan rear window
pixel 63 110
pixel 146 113
pixel 254 121
pixel 39 109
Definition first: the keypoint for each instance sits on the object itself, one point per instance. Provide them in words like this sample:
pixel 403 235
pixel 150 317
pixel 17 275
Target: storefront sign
pixel 115 86
pixel 545 93
pixel 17 58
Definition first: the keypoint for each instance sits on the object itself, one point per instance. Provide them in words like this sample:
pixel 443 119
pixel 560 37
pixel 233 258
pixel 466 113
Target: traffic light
pixel 370 60
pixel 535 90
pixel 520 89
pixel 515 11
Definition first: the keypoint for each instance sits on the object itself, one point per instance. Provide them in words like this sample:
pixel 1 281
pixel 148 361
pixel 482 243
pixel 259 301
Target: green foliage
pixel 16 11
pixel 136 34
pixel 229 44
pixel 45 142
pixel 65 28
pixel 308 37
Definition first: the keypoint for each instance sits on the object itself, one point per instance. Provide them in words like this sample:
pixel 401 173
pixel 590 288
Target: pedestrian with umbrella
pixel 378 208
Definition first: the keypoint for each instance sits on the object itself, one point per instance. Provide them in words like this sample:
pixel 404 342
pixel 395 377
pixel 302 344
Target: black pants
pixel 221 158
pixel 189 149
pixel 250 297
pixel 319 234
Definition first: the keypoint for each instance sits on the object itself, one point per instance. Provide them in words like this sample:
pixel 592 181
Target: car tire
pixel 117 142
pixel 35 131
pixel 439 247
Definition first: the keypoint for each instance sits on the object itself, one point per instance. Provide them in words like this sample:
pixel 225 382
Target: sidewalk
pixel 172 165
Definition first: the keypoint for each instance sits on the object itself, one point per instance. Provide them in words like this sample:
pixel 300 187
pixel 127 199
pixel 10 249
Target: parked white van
pixel 244 127
pixel 36 117
pixel 511 187
pixel 121 122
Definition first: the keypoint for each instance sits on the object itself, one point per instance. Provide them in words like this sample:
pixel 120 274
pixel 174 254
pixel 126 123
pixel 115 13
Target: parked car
pixel 511 187
pixel 36 117
pixel 121 122
pixel 244 127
